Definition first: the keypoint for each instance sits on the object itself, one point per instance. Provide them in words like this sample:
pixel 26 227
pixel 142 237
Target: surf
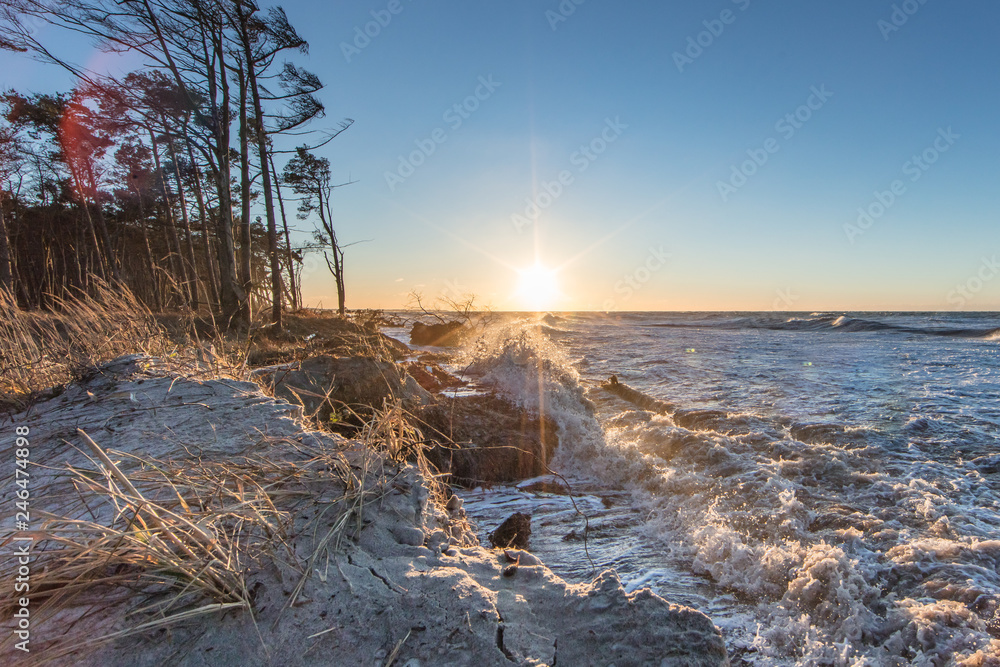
pixel 832 546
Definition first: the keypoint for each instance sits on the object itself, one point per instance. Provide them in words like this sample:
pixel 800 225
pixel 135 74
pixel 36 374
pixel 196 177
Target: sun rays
pixel 537 288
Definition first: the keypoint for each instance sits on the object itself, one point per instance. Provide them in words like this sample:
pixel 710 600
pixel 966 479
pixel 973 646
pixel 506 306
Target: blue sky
pixel 643 221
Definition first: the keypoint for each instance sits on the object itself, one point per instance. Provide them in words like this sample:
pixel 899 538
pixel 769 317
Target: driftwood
pixel 636 397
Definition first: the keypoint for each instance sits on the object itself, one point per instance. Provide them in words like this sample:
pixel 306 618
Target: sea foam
pixel 841 558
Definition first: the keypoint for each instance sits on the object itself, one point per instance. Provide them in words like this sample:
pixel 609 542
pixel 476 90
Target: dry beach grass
pixel 172 539
pixel 182 515
pixel 39 350
pixel 182 533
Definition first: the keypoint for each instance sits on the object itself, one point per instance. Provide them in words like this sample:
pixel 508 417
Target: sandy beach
pixel 189 517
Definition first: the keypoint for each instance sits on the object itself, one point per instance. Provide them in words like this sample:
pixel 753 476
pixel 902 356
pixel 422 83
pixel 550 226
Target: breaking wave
pixel 832 322
pixel 845 553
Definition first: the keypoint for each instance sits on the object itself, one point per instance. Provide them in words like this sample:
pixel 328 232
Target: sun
pixel 537 288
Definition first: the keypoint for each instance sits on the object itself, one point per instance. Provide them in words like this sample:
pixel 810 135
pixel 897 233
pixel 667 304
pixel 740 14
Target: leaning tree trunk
pixel 341 292
pixel 154 287
pixel 246 251
pixel 213 283
pixel 186 226
pixel 96 246
pixel 326 220
pixel 170 231
pixel 233 301
pixel 272 232
pixel 233 298
pixel 109 252
pixel 338 255
pixel 82 270
pixel 293 289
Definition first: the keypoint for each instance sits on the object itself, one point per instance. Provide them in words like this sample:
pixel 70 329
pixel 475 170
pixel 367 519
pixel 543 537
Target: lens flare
pixel 537 288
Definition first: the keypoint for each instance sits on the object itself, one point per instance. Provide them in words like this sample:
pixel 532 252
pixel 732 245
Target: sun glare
pixel 537 288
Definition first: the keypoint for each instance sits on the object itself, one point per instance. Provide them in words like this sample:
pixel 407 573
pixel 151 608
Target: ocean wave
pixel 844 556
pixel 818 322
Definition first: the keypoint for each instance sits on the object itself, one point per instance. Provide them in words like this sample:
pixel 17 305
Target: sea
pixel 825 486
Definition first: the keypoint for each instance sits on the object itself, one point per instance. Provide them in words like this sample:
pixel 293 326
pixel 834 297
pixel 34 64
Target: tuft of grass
pixel 387 441
pixel 39 350
pixel 144 543
pixel 182 538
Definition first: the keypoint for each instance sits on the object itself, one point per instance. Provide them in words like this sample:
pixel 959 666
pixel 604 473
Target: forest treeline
pixel 168 181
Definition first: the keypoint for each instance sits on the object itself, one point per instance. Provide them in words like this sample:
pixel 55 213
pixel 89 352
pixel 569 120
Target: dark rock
pixel 444 334
pixel 514 532
pixel 432 377
pixel 521 558
pixel 397 349
pixel 545 486
pixel 641 628
pixel 637 398
pixel 325 384
pixel 485 439
pixel 454 503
